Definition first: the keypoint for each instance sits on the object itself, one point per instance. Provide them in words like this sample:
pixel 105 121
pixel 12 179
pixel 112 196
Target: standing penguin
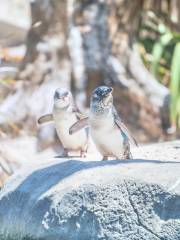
pixel 64 114
pixel 108 132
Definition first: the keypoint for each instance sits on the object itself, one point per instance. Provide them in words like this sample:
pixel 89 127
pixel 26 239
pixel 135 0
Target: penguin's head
pixel 102 98
pixel 62 98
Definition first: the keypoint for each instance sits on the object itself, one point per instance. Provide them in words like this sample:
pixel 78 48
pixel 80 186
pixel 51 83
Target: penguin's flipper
pixel 123 127
pixel 82 123
pixel 80 116
pixel 45 118
pixel 78 113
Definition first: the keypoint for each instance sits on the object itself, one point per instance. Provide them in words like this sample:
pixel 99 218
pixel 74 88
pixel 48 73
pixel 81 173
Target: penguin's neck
pixel 100 112
pixel 66 109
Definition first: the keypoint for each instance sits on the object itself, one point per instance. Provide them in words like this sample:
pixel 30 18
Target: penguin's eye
pixel 95 96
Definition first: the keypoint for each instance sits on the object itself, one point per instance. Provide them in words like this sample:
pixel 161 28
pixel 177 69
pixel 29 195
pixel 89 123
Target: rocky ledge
pixel 89 200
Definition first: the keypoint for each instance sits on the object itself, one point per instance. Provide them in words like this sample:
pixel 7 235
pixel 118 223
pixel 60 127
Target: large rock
pixel 83 200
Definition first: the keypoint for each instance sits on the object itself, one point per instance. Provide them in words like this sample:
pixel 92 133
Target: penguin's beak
pixel 108 92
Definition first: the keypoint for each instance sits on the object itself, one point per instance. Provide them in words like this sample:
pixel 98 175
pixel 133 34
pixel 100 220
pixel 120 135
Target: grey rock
pixel 87 200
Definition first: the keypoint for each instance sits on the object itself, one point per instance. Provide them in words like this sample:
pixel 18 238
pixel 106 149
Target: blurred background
pixel 133 46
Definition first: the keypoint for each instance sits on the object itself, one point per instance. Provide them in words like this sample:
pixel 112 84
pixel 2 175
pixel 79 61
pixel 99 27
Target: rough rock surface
pixel 89 200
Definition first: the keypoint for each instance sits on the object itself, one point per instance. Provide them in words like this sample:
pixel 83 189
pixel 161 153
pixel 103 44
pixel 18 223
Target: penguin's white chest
pixel 107 136
pixel 63 122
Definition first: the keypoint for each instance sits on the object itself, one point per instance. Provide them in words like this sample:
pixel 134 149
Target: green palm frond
pixel 175 85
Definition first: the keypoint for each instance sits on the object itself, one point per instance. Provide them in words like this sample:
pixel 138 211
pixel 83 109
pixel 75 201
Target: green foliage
pixel 160 50
pixel 175 85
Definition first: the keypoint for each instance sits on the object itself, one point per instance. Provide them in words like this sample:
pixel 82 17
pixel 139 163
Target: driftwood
pixel 84 44
pixel 111 27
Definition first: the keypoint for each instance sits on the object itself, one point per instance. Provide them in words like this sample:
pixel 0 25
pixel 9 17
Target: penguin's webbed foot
pixel 127 155
pixel 83 153
pixel 65 153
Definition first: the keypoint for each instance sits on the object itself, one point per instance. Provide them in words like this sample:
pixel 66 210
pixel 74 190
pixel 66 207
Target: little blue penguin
pixel 109 133
pixel 64 115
